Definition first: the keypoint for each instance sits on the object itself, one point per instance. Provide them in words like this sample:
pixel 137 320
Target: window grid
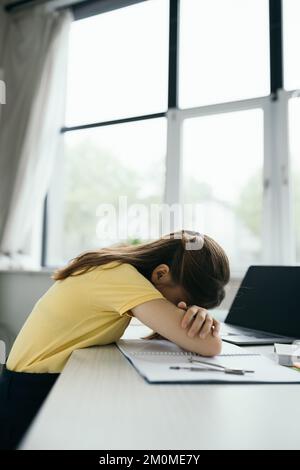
pixel 278 238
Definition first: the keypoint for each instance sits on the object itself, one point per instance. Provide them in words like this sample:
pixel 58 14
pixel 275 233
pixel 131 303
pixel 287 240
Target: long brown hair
pixel 202 272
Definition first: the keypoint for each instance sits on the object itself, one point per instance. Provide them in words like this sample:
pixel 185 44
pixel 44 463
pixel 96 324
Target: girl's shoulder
pixel 116 265
pixel 118 270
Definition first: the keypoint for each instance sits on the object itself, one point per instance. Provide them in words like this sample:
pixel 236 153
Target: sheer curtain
pixel 35 58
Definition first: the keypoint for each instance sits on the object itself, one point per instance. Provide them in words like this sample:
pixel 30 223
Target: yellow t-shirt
pixel 77 312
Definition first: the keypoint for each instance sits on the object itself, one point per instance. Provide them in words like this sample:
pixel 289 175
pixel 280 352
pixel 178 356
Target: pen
pixel 209 369
pixel 219 366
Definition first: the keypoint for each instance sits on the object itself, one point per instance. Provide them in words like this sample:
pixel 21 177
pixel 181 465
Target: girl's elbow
pixel 214 346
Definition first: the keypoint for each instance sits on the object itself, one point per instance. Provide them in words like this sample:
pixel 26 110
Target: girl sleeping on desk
pixel 92 302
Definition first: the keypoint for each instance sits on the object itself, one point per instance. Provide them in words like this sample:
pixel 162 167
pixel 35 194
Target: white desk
pixel 100 402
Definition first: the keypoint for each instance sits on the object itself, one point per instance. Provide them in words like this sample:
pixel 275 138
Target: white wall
pixel 231 290
pixel 19 291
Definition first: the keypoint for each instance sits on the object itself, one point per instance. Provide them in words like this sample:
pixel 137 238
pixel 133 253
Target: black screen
pixel 268 300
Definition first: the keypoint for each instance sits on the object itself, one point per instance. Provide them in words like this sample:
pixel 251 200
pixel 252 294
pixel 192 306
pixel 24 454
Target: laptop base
pixel 252 341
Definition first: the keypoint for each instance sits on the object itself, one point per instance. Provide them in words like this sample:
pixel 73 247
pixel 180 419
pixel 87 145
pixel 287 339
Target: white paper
pixel 287 349
pixel 153 358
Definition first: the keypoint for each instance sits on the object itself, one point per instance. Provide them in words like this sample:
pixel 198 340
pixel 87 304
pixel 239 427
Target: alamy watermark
pixel 124 221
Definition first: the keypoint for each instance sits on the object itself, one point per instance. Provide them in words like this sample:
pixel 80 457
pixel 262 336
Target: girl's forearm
pixel 165 318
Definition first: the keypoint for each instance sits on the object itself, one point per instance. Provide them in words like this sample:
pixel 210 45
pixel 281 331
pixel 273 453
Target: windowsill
pixel 42 271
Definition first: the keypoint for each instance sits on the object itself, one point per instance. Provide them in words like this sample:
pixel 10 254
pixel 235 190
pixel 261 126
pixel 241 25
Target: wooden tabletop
pixel 101 402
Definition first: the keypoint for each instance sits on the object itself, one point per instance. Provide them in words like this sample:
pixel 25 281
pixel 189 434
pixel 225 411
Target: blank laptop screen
pixel 268 300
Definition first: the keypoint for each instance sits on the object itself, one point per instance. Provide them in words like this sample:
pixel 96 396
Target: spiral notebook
pixel 153 359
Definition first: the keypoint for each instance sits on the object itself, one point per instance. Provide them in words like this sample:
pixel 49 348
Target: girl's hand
pixel 198 321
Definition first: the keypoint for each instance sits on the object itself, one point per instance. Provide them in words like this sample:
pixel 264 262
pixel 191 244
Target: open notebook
pixel 153 358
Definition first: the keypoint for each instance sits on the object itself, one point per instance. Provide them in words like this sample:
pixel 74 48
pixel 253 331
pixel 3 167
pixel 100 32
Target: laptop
pixel 266 308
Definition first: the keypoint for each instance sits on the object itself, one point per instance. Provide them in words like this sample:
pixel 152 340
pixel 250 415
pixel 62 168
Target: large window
pixel 115 139
pixel 99 165
pixel 118 64
pixel 291 99
pixel 291 18
pixel 192 102
pixel 294 120
pixel 224 51
pixel 223 179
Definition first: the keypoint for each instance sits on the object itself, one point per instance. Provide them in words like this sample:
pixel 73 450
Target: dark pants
pixel 21 395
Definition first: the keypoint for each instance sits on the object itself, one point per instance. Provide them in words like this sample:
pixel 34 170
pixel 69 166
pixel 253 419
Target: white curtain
pixel 35 60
